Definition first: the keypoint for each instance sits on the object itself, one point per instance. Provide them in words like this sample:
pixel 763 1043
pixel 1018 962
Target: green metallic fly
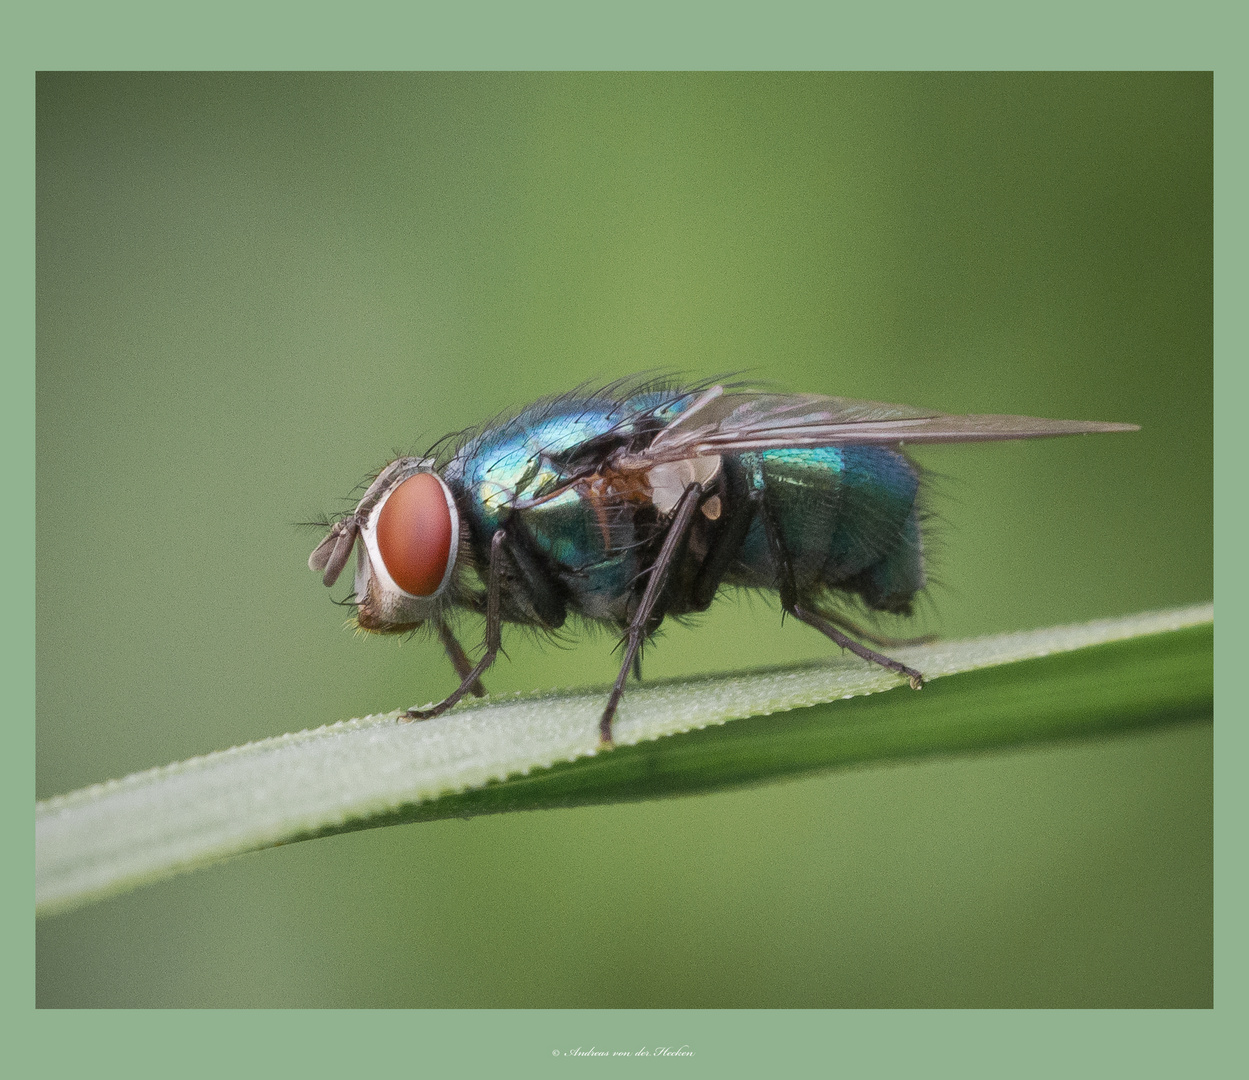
pixel 635 502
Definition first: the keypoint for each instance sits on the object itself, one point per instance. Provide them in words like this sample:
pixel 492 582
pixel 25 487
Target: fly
pixel 629 504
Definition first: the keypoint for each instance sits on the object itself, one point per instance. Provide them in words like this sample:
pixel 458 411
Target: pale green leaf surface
pixel 113 836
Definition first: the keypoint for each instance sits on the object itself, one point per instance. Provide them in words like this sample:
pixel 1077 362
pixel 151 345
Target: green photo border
pixel 701 35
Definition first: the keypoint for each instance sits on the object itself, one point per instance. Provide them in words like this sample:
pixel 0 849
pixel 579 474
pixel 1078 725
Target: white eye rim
pixel 368 533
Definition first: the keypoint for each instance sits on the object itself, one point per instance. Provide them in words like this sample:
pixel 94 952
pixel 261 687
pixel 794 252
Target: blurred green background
pixel 252 289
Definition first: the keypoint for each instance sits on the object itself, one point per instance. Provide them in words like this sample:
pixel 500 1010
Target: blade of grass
pixel 482 757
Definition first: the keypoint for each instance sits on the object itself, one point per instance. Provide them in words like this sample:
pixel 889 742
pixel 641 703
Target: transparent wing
pixel 721 423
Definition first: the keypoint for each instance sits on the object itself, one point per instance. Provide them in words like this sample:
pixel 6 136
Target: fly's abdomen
pixel 845 517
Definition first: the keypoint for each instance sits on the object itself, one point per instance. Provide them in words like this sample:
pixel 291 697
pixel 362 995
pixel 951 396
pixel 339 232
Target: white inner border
pixel 378 565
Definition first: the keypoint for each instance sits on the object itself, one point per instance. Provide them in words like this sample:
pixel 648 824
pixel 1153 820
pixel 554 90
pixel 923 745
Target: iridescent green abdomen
pixel 846 517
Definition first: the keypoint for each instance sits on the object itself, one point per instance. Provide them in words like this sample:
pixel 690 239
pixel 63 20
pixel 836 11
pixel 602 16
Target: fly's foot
pixel 915 678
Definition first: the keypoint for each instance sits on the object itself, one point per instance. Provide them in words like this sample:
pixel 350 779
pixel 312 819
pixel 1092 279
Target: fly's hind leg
pixel 827 629
pixel 494 628
pixel 789 602
pixel 874 638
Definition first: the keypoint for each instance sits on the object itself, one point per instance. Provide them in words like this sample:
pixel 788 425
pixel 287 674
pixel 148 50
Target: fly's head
pixel 408 532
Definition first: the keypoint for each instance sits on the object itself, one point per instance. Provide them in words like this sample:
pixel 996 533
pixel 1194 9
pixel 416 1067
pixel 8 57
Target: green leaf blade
pixel 1107 688
pixel 541 751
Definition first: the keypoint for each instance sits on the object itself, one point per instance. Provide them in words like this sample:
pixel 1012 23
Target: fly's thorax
pixel 409 550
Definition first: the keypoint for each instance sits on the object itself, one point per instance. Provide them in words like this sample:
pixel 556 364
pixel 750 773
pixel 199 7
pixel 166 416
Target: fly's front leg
pixel 494 626
pixel 459 658
pixel 681 522
pixel 789 601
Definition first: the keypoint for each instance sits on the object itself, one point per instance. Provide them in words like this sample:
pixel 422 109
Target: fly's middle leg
pixel 724 549
pixel 638 625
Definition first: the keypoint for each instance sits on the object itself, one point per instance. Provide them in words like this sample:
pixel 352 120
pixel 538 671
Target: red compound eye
pixel 414 534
